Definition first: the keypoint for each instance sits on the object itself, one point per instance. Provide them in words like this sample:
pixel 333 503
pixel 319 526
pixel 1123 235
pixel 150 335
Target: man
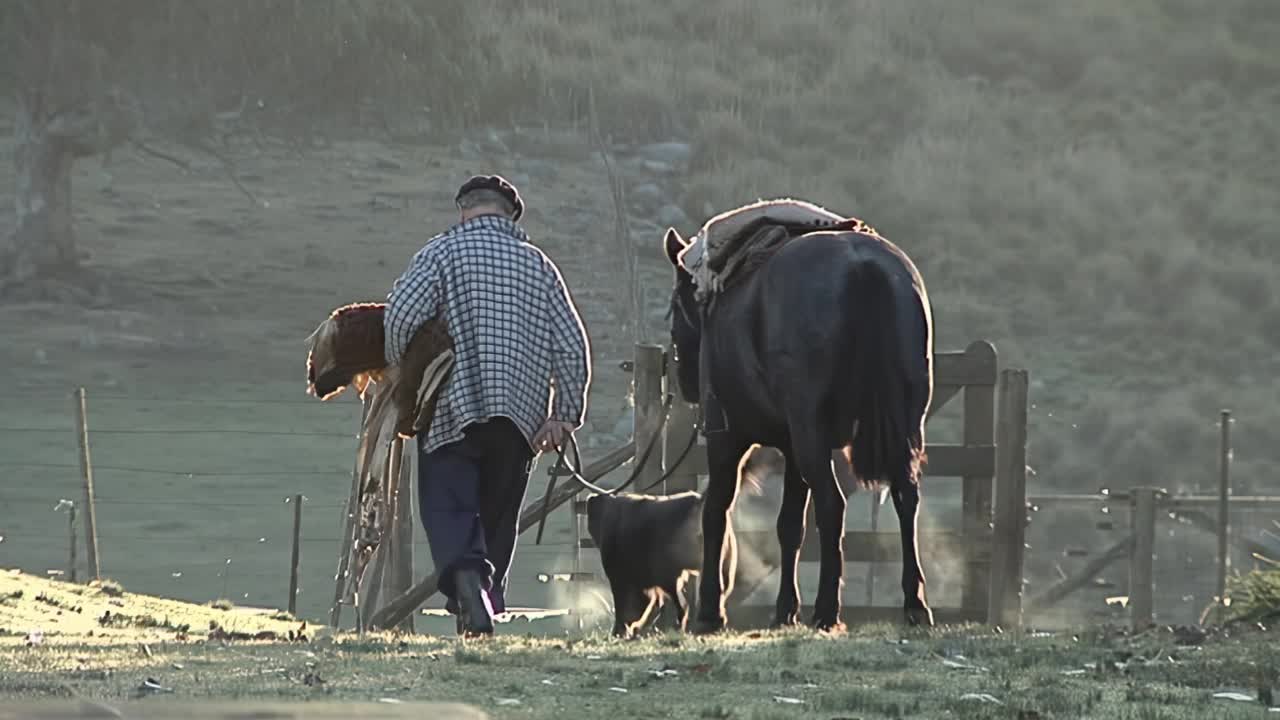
pixel 518 340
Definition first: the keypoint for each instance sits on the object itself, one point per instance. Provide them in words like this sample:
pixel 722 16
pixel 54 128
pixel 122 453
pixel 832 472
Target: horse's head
pixel 686 320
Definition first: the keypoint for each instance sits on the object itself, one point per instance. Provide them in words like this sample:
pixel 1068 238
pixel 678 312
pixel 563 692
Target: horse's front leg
pixel 724 454
pixel 906 501
pixel 795 503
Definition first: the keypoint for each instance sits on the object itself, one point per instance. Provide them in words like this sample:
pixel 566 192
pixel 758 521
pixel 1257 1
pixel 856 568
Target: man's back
pixel 513 325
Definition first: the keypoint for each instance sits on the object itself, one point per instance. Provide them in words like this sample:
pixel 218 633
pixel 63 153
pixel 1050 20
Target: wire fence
pixel 193 498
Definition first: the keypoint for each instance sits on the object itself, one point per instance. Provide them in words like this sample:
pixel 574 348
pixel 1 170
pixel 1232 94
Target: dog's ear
pixel 595 511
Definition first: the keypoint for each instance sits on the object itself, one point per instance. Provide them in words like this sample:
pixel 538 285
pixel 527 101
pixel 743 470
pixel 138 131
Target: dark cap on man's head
pixel 498 184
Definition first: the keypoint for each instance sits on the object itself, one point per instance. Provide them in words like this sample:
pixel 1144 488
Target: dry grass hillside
pixel 1091 185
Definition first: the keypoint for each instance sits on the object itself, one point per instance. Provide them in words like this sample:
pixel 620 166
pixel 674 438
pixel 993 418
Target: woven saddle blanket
pixel 732 245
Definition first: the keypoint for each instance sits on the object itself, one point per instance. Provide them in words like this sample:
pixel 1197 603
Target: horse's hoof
pixel 785 620
pixel 829 627
pixel 921 616
pixel 704 626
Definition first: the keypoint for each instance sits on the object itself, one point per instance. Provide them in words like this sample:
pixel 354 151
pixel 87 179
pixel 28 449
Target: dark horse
pixel 826 345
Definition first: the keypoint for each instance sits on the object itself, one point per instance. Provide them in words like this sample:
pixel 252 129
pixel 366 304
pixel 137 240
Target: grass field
pixel 873 672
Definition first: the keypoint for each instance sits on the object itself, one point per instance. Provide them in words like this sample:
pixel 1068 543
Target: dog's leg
pixel 643 604
pixel 673 608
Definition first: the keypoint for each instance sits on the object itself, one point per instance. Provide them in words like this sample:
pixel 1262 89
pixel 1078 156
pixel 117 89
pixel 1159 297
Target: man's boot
pixel 474 616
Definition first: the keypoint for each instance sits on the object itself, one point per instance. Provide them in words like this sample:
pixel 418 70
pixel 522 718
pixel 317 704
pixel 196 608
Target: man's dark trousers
pixel 469 497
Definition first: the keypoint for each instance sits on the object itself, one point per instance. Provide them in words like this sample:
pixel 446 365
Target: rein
pixel 574 469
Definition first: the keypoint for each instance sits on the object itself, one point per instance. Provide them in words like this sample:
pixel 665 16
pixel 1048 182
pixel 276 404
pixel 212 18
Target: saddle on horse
pixel 741 240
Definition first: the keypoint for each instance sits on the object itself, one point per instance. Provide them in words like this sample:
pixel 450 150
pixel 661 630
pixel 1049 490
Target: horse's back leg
pixel 791 518
pixel 812 454
pixel 904 487
pixel 724 457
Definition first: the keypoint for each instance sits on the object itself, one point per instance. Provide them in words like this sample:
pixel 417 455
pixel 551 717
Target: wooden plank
pixel 945 460
pixel 649 372
pixel 979 429
pixel 975 365
pixel 1057 592
pixel 969 460
pixel 942 394
pixel 1237 502
pixel 1004 603
pixel 237 710
pixel 861 545
pixel 759 617
pixel 677 433
pixel 86 477
pixel 1143 513
pixel 1224 515
pixel 395 611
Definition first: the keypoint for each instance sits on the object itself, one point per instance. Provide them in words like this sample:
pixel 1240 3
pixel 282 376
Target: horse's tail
pixel 883 440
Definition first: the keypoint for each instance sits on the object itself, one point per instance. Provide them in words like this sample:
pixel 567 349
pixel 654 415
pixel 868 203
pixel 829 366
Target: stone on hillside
pixel 543 171
pixel 658 167
pixel 648 194
pixel 667 153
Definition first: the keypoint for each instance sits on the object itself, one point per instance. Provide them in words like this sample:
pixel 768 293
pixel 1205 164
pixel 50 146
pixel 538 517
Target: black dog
pixel 649 546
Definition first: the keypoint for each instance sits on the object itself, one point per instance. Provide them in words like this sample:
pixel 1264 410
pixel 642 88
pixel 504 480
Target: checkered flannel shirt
pixel 518 339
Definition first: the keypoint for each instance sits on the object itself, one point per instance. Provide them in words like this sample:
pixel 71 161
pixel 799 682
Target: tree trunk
pixel 43 242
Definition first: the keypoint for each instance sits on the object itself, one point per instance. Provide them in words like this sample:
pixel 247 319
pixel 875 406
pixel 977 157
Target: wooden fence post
pixel 648 413
pixel 295 555
pixel 979 429
pixel 1224 514
pixel 86 474
pixel 1004 605
pixel 680 430
pixel 1142 508
pixel 71 546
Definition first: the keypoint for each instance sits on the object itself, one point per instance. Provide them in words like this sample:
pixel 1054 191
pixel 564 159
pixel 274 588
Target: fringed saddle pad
pixel 733 244
pixel 744 252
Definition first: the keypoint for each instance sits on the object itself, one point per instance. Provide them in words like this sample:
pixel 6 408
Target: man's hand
pixel 552 435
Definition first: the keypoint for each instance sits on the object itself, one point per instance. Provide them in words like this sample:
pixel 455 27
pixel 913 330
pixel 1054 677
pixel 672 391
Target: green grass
pixel 99 646
pixel 875 672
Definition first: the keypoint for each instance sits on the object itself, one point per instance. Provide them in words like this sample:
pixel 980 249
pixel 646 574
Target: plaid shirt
pixel 517 335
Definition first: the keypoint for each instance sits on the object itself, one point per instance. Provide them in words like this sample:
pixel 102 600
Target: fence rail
pixel 1146 505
